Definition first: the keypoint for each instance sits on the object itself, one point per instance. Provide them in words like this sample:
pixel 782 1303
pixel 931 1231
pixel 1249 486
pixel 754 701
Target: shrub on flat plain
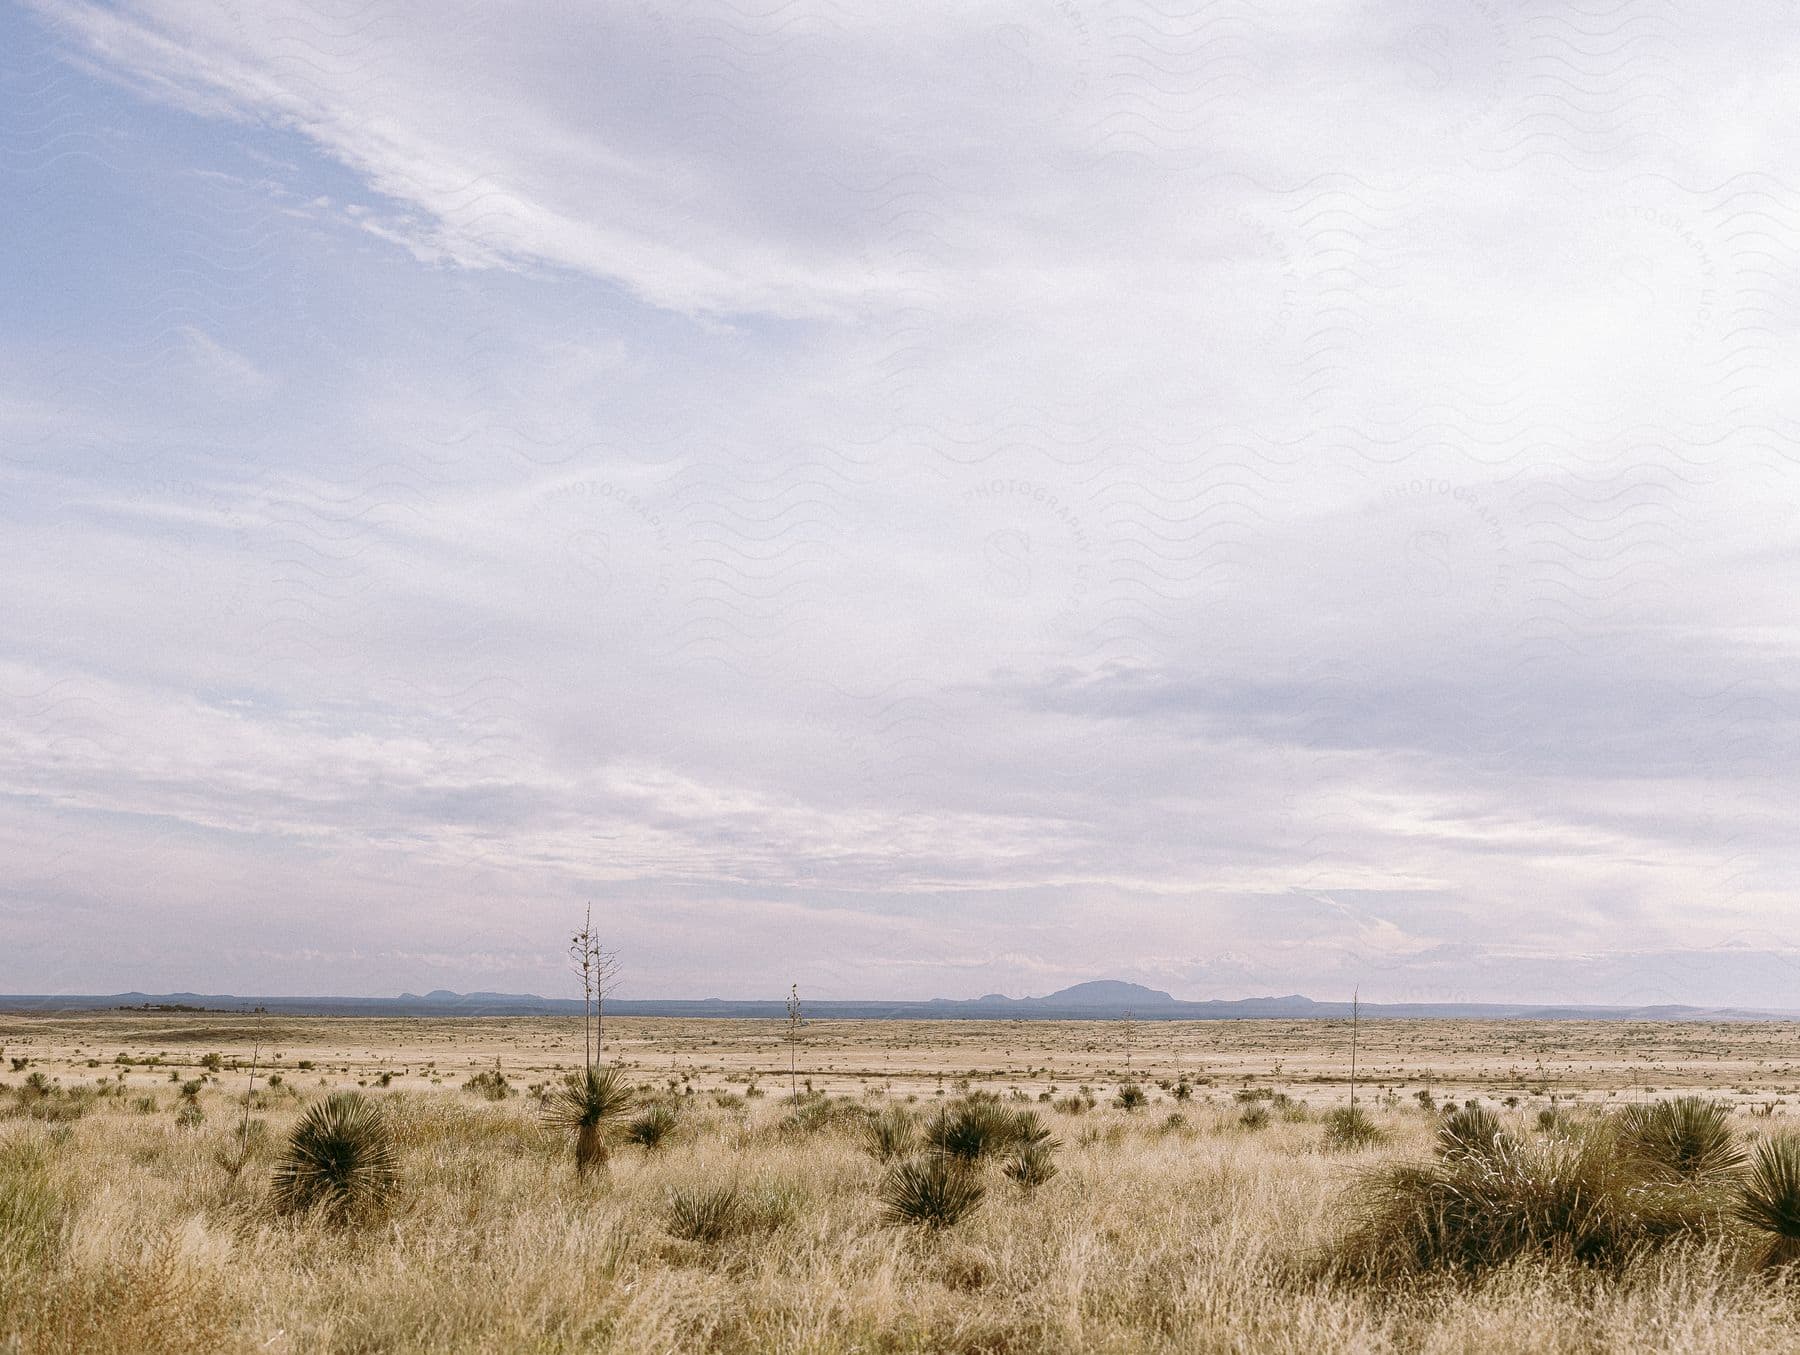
pixel 1578 1198
pixel 654 1127
pixel 1688 1138
pixel 890 1134
pixel 974 1129
pixel 339 1159
pixel 1769 1198
pixel 934 1190
pixel 1471 1131
pixel 1349 1127
pixel 490 1085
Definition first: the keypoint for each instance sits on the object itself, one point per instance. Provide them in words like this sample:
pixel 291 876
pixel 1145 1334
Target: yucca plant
pixel 1576 1197
pixel 1471 1131
pixel 1689 1138
pixel 890 1134
pixel 187 1108
pixel 1033 1164
pixel 706 1215
pixel 1351 1127
pixel 1769 1197
pixel 975 1129
pixel 934 1190
pixel 339 1159
pixel 653 1128
pixel 589 1102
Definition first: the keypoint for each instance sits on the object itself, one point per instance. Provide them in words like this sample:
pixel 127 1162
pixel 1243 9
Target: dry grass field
pixel 1230 1210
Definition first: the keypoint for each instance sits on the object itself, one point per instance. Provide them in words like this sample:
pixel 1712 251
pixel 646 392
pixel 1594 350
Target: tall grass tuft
pixel 34 1216
pixel 1769 1198
pixel 589 1102
pixel 1688 1138
pixel 339 1159
pixel 934 1190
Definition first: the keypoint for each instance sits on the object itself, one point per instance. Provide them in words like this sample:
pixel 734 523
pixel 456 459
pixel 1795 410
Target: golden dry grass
pixel 1192 1235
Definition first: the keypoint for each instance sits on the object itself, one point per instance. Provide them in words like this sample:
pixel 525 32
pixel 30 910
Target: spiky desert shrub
pixel 1032 1165
pixel 1688 1138
pixel 490 1085
pixel 188 1113
pixel 1349 1127
pixel 1471 1131
pixel 1578 1198
pixel 339 1159
pixel 890 1134
pixel 713 1214
pixel 814 1113
pixel 1130 1097
pixel 706 1214
pixel 1254 1118
pixel 934 1190
pixel 653 1128
pixel 974 1129
pixel 589 1102
pixel 1769 1198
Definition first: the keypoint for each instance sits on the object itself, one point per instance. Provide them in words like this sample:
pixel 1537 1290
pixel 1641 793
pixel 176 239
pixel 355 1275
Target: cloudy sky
pixel 910 500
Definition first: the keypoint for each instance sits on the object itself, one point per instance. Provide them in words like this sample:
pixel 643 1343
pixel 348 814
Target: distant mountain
pixel 1109 993
pixel 1099 999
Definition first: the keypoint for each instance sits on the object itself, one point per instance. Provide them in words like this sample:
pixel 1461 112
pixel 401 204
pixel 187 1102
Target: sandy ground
pixel 1756 1064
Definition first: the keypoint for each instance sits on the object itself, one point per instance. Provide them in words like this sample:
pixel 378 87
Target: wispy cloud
pixel 963 501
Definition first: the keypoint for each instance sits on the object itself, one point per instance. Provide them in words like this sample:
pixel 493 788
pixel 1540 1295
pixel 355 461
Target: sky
pixel 913 500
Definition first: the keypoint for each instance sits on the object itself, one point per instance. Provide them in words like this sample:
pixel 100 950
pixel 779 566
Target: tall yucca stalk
pixel 589 1102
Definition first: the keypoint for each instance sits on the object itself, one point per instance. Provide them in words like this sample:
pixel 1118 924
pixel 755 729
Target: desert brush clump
pixel 931 1190
pixel 890 1134
pixel 1579 1198
pixel 490 1085
pixel 977 1128
pixel 1688 1138
pixel 1032 1164
pixel 654 1126
pixel 188 1113
pixel 711 1214
pixel 339 1160
pixel 1769 1198
pixel 1471 1131
pixel 1349 1127
pixel 706 1214
pixel 590 1102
